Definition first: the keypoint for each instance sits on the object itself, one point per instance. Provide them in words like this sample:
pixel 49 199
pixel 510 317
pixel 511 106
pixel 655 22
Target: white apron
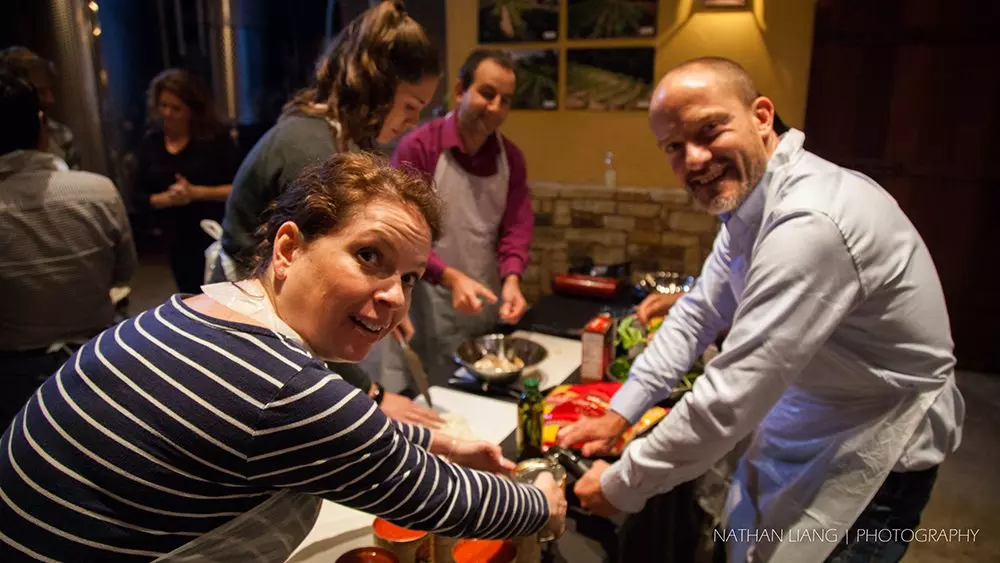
pixel 474 208
pixel 798 488
pixel 271 531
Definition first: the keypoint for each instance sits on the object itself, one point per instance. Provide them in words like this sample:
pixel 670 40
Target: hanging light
pixel 97 31
pixel 93 6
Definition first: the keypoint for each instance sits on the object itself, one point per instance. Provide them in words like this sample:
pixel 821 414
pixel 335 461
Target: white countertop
pixel 340 529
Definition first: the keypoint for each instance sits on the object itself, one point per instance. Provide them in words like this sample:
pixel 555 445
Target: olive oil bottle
pixel 530 417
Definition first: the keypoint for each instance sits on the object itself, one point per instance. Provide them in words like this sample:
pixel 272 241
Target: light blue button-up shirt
pixel 835 308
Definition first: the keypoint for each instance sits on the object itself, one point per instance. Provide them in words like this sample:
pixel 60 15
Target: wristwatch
pixel 376 393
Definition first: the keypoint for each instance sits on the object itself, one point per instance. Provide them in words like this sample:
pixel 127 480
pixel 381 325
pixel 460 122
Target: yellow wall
pixel 774 43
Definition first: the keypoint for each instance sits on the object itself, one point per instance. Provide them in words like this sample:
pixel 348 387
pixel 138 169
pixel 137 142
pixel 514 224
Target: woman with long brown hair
pixel 369 87
pixel 186 163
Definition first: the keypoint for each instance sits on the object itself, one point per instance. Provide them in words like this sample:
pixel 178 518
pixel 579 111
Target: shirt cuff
pixel 615 486
pixel 631 401
pixel 511 265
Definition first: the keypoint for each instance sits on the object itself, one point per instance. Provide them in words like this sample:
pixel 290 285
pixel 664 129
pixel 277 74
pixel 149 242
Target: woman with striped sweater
pixel 209 428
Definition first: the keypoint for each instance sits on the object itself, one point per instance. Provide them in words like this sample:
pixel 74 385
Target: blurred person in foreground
pixel 838 364
pixel 66 243
pixel 210 427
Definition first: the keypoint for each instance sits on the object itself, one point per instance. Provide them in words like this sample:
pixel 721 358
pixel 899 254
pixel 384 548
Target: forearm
pixel 211 193
pixel 433 442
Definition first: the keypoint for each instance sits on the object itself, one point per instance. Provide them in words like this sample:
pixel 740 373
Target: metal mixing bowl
pixel 510 347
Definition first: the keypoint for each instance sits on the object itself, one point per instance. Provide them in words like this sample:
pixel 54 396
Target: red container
pixel 585 286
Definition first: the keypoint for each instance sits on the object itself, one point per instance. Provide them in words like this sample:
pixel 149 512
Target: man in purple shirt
pixel 488 223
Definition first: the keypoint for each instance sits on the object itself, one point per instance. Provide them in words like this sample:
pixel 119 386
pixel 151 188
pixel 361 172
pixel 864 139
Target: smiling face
pixel 485 104
pixel 718 146
pixel 345 291
pixel 407 103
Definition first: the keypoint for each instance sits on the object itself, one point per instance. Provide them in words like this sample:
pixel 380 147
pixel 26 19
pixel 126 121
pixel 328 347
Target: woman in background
pixel 369 88
pixel 186 163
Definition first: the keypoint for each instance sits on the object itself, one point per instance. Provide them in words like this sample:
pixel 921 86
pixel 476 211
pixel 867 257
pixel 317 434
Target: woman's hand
pixel 480 455
pixel 398 407
pixel 557 503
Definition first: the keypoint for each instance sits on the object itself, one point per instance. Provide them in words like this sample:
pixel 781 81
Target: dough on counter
pixel 457 426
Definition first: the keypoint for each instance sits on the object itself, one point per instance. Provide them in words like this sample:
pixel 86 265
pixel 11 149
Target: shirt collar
pixel 452 139
pixel 748 216
pixel 27 160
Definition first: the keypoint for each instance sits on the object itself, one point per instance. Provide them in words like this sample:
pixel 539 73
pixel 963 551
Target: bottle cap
pixel 531 383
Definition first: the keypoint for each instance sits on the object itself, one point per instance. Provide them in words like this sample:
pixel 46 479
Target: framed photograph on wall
pixel 537 79
pixel 512 21
pixel 602 19
pixel 609 79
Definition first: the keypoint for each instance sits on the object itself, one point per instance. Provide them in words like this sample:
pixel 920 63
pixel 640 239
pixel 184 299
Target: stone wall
pixel 654 228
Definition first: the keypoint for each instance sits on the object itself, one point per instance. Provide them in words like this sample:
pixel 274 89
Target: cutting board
pixel 489 419
pixel 564 356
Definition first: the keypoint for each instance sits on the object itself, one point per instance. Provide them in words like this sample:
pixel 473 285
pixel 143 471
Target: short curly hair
pixel 322 199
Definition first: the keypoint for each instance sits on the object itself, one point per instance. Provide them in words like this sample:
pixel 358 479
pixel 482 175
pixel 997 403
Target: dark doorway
pixel 908 92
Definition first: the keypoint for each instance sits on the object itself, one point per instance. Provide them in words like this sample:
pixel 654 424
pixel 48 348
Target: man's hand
pixel 597 434
pixel 466 292
pixel 514 304
pixel 588 490
pixel 480 455
pixel 656 305
pixel 398 407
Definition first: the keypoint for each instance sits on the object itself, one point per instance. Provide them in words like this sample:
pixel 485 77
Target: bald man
pixel 838 365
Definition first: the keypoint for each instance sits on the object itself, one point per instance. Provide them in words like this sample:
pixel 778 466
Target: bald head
pixel 716 131
pixel 728 74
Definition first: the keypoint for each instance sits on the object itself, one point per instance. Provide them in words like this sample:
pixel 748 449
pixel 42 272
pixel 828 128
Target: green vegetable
pixel 628 334
pixel 620 368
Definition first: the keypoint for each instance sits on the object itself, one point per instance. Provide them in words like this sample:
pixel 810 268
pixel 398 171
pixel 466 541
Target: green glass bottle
pixel 530 417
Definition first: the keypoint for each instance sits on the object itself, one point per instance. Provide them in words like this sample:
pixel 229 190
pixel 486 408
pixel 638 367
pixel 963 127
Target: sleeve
pixel 435 268
pixel 416 434
pixel 331 440
pixel 518 220
pixel 412 152
pixel 353 374
pixel 693 323
pixel 802 282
